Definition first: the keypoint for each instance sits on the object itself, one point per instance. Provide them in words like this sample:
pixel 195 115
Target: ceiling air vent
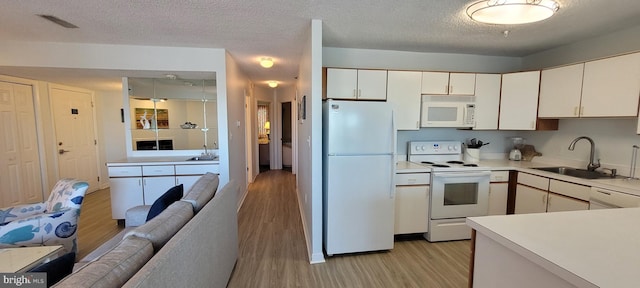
pixel 58 21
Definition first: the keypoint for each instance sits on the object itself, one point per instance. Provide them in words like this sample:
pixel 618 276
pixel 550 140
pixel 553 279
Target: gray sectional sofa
pixel 192 243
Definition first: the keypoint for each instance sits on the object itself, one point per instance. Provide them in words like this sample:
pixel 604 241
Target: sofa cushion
pixel 161 228
pixel 202 191
pixel 115 267
pixel 172 195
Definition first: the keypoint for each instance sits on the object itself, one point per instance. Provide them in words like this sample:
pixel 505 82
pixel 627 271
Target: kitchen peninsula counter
pixel 596 248
pixel 162 160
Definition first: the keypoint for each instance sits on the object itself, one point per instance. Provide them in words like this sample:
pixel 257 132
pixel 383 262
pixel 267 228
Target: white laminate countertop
pixel 410 167
pixel 629 186
pixel 167 160
pixel 597 247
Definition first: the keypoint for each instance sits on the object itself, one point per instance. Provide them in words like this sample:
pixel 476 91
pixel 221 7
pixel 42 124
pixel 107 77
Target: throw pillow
pixel 172 195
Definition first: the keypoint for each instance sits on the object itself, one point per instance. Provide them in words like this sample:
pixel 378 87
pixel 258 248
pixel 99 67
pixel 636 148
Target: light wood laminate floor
pixel 273 251
pixel 95 225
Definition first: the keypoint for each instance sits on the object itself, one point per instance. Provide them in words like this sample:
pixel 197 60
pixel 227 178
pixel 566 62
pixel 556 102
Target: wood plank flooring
pixel 273 251
pixel 95 225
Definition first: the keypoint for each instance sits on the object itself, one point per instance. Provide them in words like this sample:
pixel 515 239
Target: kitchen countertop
pixel 582 247
pixel 628 186
pixel 410 167
pixel 167 160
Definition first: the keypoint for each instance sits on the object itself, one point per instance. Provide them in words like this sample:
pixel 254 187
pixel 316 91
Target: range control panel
pixel 435 147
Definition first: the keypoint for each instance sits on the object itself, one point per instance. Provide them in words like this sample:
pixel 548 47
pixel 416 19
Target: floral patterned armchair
pixel 54 222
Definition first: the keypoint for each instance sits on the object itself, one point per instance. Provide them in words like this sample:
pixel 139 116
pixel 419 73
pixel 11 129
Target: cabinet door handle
pixel 359 93
pixel 575 111
pixel 581 110
pixel 451 89
pixel 355 95
pixel 446 89
pixel 544 199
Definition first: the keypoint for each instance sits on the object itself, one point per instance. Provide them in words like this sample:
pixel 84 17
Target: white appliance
pixel 359 146
pixel 601 198
pixel 447 111
pixel 458 189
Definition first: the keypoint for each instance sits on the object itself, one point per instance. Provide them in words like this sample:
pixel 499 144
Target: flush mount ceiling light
pixel 266 62
pixel 512 11
pixel 273 84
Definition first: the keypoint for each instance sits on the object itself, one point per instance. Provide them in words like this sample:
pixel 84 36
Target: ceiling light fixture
pixel 273 84
pixel 512 11
pixel 266 62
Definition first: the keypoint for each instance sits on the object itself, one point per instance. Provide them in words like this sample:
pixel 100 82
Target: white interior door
pixel 20 177
pixel 75 135
pixel 248 137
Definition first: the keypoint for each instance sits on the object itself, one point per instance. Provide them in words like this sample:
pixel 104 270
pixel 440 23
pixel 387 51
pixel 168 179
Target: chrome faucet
pixel 206 155
pixel 591 166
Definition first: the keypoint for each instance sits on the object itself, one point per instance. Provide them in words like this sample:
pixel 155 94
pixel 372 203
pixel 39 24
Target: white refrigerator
pixel 359 147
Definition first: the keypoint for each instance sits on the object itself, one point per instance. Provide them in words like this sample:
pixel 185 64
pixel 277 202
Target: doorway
pixel 76 143
pixel 287 148
pixel 20 166
pixel 264 136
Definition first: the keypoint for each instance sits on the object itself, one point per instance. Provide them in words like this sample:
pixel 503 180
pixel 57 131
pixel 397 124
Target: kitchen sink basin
pixel 202 158
pixel 575 172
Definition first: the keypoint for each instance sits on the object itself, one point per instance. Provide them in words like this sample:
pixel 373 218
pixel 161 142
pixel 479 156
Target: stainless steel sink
pixel 202 158
pixel 575 172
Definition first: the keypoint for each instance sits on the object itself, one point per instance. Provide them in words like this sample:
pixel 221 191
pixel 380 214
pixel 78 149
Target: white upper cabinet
pixel 560 92
pixel 356 84
pixel 462 83
pixel 342 83
pixel 403 91
pixel 443 83
pixel 611 87
pixel 519 101
pixel 487 101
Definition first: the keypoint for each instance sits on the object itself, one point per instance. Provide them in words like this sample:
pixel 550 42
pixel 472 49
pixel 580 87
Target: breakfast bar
pixel 595 248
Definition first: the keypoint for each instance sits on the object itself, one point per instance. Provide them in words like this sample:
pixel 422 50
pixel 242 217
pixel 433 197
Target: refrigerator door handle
pixel 394 140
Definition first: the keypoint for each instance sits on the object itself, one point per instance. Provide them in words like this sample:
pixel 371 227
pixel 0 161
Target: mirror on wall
pixel 172 114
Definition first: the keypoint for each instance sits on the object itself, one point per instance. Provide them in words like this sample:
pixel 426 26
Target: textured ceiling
pixel 277 28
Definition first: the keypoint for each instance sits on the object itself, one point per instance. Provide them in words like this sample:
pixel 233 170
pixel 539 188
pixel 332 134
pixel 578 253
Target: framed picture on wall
pixel 145 115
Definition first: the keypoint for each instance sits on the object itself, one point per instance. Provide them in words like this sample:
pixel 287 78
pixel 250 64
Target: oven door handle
pixel 463 174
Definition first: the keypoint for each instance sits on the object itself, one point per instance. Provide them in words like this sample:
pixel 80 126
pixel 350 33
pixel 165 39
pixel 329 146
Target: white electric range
pixel 458 189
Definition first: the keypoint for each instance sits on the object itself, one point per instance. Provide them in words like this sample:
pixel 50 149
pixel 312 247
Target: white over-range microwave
pixel 447 111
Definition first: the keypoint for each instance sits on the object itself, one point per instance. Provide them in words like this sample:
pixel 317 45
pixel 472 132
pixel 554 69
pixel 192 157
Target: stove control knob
pixel 455 148
pixel 422 148
pixel 450 148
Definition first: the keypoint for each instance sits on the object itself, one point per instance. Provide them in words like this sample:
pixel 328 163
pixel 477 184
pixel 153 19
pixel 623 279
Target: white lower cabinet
pixel 558 202
pixel 412 203
pixel 530 200
pixel 537 194
pixel 154 187
pixel 498 191
pixel 125 193
pixel 138 184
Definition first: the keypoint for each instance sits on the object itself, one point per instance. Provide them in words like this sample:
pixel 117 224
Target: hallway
pixel 273 253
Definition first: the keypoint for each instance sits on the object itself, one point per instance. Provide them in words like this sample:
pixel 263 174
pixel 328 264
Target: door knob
pixel 62 151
